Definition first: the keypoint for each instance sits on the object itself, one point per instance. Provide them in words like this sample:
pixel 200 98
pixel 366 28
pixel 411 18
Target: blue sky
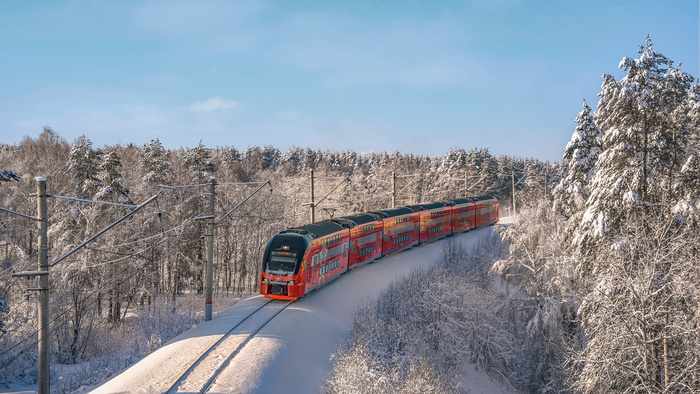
pixel 409 76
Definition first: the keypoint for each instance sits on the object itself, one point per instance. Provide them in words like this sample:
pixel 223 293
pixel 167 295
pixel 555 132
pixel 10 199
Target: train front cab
pixel 434 220
pixel 366 233
pixel 299 260
pixel 282 266
pixel 463 214
pixel 401 229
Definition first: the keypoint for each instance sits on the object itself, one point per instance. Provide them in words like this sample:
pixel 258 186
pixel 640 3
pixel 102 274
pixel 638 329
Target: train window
pixel 282 262
pixel 402 219
pixel 402 229
pixel 434 221
pixel 334 251
pixel 330 240
pixel 367 239
pixel 366 228
pixel 435 229
pixel 329 267
pixel 402 238
pixel 366 251
pixel 437 213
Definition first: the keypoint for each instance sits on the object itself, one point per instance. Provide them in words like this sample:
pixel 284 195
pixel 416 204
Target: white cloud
pixel 213 104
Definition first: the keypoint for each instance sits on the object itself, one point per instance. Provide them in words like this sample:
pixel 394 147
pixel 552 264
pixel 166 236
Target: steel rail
pixel 180 379
pixel 233 354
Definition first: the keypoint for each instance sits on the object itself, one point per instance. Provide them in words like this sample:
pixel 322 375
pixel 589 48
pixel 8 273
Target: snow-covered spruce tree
pixel 639 317
pixel 580 155
pixel 198 160
pixel 488 181
pixel 271 157
pixel 156 163
pixel 644 148
pixel 3 311
pixel 83 164
pixel 111 178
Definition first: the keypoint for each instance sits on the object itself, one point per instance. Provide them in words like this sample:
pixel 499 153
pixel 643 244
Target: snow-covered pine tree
pixel 686 186
pixel 156 163
pixel 271 157
pixel 580 155
pixel 643 147
pixel 474 162
pixel 488 180
pixel 83 164
pixel 198 160
pixel 111 178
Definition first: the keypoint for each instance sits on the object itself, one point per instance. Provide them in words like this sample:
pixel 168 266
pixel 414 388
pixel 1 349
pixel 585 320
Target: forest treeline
pixel 603 275
pixel 159 254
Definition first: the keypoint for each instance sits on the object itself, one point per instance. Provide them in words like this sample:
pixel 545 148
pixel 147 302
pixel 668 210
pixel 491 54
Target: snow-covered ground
pixel 293 351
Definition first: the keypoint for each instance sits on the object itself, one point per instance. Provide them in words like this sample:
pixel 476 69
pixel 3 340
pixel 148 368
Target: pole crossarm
pixel 92 201
pixel 185 190
pixel 347 178
pixel 21 214
pixel 267 182
pixel 29 274
pixel 242 183
pixel 408 184
pixel 87 241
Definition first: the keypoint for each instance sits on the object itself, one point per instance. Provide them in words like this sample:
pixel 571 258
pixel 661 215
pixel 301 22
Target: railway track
pixel 202 374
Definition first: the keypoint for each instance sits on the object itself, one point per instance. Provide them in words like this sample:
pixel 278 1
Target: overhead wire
pixel 15 264
pixel 125 256
pixel 61 314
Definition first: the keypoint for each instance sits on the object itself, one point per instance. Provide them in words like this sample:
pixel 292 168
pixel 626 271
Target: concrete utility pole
pixel 512 177
pixel 466 187
pixel 43 386
pixel 393 189
pixel 43 375
pixel 313 206
pixel 210 251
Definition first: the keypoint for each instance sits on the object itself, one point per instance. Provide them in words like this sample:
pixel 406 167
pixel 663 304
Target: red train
pixel 302 259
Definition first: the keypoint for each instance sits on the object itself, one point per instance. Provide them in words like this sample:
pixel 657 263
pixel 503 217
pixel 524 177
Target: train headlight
pixel 265 280
pixel 291 282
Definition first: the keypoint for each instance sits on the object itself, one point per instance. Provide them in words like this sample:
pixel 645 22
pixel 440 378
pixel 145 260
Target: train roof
pixel 460 201
pixel 316 230
pixel 482 198
pixel 358 219
pixel 426 206
pixel 390 213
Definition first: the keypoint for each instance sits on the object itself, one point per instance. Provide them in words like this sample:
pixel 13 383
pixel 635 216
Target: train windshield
pixel 284 254
pixel 282 261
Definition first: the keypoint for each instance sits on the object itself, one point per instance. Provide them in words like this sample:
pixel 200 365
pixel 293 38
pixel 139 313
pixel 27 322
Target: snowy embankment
pixel 293 351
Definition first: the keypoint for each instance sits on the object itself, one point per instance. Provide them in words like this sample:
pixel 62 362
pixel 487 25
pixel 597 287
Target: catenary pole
pixel 512 177
pixel 393 189
pixel 43 384
pixel 466 186
pixel 210 251
pixel 313 212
